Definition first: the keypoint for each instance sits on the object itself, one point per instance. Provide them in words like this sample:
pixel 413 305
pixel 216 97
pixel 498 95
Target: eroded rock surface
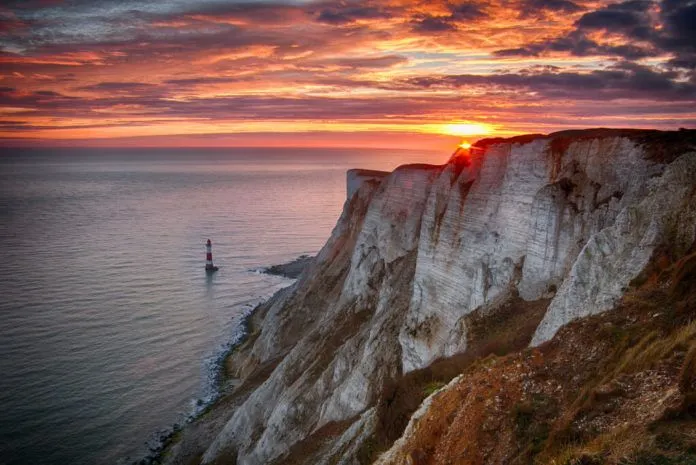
pixel 569 218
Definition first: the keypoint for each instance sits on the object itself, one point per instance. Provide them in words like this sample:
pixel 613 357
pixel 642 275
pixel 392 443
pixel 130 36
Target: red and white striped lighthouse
pixel 209 257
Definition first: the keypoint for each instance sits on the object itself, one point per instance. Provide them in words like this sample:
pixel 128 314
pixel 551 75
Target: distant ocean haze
pixel 110 330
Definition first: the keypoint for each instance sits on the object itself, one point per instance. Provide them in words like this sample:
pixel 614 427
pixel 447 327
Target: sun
pixel 465 129
pixel 465 145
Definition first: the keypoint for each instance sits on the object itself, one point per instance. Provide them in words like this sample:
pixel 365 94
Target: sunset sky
pixel 382 73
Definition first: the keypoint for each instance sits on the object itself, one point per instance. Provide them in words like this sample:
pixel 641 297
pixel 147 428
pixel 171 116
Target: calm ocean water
pixel 109 327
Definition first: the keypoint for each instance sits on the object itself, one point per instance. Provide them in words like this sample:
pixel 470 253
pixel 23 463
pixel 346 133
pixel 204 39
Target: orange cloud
pixel 413 68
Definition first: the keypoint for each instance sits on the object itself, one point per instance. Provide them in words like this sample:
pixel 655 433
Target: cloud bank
pixel 109 68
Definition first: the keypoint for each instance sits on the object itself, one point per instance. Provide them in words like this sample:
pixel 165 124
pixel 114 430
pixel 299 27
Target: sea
pixel 111 332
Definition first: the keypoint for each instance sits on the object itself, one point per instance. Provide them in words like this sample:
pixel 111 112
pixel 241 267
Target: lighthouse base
pixel 211 269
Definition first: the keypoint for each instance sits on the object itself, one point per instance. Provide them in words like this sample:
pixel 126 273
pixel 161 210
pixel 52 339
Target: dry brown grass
pixel 654 347
pixel 497 331
pixel 616 389
pixel 659 333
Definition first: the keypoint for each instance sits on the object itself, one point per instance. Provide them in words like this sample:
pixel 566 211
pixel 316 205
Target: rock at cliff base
pixel 292 269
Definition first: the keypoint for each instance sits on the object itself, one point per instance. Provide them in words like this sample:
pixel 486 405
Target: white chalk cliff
pixel 571 217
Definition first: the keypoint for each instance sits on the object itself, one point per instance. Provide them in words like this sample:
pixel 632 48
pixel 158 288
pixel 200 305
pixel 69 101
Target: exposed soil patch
pixel 506 327
pixel 310 450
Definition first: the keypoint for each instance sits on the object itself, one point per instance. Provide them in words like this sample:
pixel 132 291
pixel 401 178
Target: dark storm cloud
pixel 462 12
pixel 349 14
pixel 118 87
pixel 47 93
pixel 246 9
pixel 430 24
pixel 38 101
pixel 631 18
pixel 578 44
pixel 680 21
pixel 564 6
pixel 467 12
pixel 204 80
pixel 646 36
pixel 623 81
pixel 679 32
pixel 10 24
pixel 610 18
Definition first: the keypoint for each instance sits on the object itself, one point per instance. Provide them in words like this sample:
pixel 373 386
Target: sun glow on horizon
pixel 465 129
pixel 465 145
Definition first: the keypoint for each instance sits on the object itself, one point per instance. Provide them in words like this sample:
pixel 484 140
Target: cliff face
pixel 583 218
pixel 422 256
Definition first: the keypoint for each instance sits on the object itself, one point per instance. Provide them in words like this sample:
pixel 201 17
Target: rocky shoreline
pixel 169 440
pixel 225 379
pixel 165 439
pixel 292 269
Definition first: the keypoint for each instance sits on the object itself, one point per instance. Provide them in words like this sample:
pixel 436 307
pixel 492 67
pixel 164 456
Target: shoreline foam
pixel 163 439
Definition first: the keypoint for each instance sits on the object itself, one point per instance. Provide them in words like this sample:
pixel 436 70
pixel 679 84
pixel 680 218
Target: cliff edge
pixel 431 268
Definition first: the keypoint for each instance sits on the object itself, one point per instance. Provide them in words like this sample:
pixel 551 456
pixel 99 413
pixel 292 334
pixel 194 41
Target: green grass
pixel 433 386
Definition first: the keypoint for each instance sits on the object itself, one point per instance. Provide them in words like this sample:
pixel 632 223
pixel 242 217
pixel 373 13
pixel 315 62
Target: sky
pixel 377 73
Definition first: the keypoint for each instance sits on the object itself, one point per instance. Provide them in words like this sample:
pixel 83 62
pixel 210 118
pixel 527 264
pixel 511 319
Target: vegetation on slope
pixel 498 330
pixel 617 388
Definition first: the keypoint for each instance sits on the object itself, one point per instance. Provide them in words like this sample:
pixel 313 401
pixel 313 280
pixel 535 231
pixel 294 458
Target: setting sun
pixel 465 145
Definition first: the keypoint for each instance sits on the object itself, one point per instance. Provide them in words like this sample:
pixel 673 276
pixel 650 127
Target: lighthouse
pixel 209 267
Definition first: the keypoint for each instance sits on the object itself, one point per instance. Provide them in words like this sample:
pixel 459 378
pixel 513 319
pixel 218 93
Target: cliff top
pixel 366 172
pixel 656 142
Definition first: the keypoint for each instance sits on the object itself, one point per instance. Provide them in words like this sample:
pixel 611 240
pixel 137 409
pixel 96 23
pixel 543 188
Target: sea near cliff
pixel 110 331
